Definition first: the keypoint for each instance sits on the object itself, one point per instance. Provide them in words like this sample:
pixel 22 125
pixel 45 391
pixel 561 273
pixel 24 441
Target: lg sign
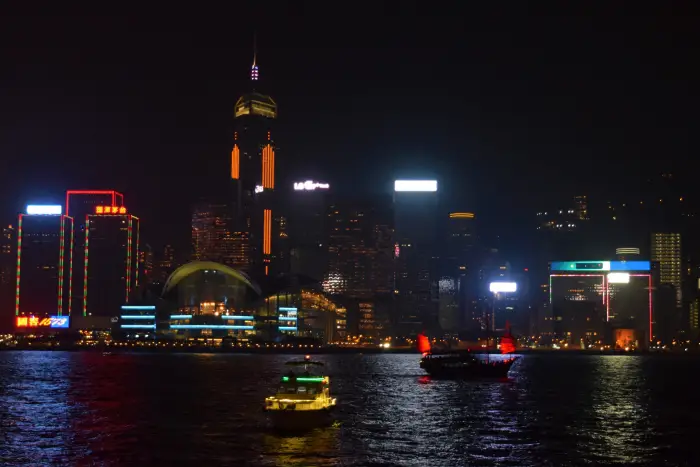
pixel 310 185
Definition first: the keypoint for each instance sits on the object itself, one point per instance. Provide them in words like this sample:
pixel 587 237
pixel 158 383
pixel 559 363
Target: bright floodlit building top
pixel 415 185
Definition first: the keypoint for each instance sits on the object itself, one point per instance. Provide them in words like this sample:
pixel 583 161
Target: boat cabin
pixel 302 385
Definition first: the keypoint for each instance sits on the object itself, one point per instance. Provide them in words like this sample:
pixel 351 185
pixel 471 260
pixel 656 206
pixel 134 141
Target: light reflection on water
pixel 140 409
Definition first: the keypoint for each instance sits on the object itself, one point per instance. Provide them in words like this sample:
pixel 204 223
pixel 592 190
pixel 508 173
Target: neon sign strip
pixel 307 379
pixel 61 245
pixel 70 266
pixel 85 265
pixel 651 304
pixel 19 262
pixel 210 326
pixel 128 258
pixel 138 252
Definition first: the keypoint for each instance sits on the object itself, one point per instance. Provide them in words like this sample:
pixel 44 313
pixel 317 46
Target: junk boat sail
pixel 463 364
pixel 302 399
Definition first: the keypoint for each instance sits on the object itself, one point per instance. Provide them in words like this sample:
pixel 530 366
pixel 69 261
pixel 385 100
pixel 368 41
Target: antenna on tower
pixel 254 68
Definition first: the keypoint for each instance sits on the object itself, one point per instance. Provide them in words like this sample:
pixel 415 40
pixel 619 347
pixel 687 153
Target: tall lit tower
pixel 110 260
pixel 666 250
pixel 415 215
pixel 253 173
pixel 44 263
pixel 80 203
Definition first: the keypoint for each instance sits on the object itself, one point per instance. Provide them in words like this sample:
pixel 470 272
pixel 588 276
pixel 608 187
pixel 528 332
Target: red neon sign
pixel 48 322
pixel 113 194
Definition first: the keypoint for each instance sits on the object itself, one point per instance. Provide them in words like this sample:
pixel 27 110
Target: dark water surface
pixel 61 408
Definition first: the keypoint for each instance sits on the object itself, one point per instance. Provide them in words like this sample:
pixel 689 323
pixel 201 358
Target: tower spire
pixel 254 68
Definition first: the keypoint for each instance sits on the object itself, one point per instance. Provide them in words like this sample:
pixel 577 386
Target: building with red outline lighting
pixel 44 267
pixel 110 261
pixel 79 204
pixel 590 299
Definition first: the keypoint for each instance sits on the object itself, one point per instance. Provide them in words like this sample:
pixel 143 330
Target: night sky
pixel 506 108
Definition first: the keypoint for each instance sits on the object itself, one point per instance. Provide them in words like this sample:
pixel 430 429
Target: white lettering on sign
pixel 310 185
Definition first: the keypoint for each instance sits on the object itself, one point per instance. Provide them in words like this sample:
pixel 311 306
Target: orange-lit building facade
pixel 110 260
pixel 253 178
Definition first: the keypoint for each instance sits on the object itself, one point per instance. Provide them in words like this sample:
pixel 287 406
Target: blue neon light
pixel 138 326
pixel 598 266
pixel 630 265
pixel 138 317
pixel 210 326
pixel 288 308
pixel 138 307
pixel 59 322
pixel 287 328
pixel 244 317
pixel 180 316
pixel 288 318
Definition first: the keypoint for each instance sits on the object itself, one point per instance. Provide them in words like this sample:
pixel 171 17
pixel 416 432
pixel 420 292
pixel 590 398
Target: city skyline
pixel 489 213
pixel 492 147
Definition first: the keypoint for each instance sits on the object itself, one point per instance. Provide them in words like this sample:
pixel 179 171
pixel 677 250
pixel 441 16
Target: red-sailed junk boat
pixel 463 364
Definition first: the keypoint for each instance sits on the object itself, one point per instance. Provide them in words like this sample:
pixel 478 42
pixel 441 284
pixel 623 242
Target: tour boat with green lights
pixel 303 400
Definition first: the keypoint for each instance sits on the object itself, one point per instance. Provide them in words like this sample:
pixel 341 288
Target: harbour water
pixel 86 408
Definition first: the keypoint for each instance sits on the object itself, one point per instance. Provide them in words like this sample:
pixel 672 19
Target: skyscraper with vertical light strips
pixel 253 175
pixel 110 260
pixel 44 265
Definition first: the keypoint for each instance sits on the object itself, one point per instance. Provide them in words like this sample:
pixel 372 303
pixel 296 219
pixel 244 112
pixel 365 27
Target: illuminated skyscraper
pixel 666 250
pixel 458 266
pixel 79 204
pixel 110 260
pixel 359 250
pixel 307 229
pixel 415 219
pixel 8 270
pixel 146 264
pixel 253 175
pixel 213 240
pixel 44 262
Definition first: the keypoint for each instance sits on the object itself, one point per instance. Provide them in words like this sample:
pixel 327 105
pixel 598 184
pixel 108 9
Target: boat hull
pixel 300 419
pixel 467 370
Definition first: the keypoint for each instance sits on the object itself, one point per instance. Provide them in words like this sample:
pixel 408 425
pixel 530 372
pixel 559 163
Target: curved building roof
pixel 195 266
pixel 254 103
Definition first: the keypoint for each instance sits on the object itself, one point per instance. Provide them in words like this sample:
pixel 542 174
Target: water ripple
pixel 60 408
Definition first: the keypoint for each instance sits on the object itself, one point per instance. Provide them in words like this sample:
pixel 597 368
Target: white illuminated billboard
pixel 310 185
pixel 45 209
pixel 415 185
pixel 498 287
pixel 618 278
